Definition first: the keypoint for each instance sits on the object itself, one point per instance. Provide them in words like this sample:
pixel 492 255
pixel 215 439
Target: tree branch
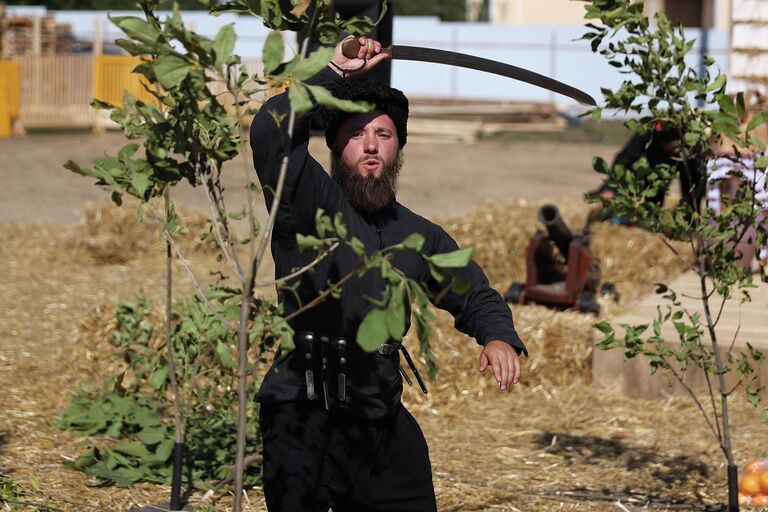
pixel 234 264
pixel 301 271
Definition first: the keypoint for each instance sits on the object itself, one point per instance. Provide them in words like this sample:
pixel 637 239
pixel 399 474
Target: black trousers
pixel 315 460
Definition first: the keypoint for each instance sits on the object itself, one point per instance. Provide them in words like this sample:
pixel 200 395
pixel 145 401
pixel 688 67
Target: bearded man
pixel 335 432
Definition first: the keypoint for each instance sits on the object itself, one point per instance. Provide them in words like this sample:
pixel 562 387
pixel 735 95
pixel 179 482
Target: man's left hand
pixel 505 363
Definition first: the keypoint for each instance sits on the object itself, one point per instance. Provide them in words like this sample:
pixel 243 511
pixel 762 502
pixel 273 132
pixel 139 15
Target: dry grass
pixel 490 451
pixel 112 236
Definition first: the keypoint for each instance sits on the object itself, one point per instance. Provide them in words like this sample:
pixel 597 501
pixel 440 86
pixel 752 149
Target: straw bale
pixel 560 342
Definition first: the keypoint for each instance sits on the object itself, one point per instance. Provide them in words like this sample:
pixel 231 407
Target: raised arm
pixel 307 186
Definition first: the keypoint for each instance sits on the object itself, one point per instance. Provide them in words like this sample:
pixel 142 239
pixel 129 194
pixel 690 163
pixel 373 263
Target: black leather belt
pixel 310 344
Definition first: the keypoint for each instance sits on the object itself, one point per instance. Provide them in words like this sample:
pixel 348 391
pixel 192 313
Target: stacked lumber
pixel 24 35
pixel 451 121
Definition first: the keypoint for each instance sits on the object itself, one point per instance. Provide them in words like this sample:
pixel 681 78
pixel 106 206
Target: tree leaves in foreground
pixel 191 130
pixel 662 89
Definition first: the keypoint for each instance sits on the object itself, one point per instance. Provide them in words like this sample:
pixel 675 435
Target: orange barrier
pixel 9 96
pixel 113 76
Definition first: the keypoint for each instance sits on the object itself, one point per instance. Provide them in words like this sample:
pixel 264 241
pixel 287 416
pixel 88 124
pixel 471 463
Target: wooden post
pixel 37 71
pixel 98 37
pixel 97 49
pixel 37 36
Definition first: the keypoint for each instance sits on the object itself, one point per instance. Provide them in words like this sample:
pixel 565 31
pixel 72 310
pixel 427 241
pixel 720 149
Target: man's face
pixel 366 160
pixel 368 143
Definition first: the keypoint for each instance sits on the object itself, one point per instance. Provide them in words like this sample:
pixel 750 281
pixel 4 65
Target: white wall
pixel 552 50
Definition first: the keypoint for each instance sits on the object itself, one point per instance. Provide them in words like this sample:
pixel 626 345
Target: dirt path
pixel 437 180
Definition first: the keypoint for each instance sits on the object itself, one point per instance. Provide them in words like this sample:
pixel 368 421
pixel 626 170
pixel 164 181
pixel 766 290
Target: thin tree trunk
pixel 245 309
pixel 178 446
pixel 725 439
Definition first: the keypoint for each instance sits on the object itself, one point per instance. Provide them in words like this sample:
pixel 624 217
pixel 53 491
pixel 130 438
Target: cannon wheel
pixel 587 303
pixel 608 289
pixel 515 294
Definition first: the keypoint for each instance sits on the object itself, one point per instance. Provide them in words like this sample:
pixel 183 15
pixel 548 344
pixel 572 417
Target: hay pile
pixel 631 258
pixel 560 342
pixel 551 433
pixel 110 235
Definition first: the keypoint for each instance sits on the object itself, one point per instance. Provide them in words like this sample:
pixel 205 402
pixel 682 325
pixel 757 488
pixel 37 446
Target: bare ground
pixel 437 180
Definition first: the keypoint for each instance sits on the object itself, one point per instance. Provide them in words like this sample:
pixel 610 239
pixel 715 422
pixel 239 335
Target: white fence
pixel 551 50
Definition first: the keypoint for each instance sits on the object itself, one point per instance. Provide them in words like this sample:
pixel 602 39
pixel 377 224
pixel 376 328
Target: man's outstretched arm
pixel 481 312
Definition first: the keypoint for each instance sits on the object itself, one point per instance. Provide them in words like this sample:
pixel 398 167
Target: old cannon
pixel 561 271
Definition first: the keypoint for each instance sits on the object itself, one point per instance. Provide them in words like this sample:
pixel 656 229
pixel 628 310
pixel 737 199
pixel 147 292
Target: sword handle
pixel 351 46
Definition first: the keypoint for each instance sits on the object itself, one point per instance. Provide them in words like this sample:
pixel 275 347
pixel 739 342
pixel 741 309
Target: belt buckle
pixel 386 349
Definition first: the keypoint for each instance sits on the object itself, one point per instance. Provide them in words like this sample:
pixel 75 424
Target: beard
pixel 365 192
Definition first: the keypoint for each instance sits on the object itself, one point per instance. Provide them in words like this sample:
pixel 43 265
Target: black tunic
pixel 691 187
pixel 374 385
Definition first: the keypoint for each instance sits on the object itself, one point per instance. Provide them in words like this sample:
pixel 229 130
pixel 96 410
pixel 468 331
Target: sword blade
pixel 489 66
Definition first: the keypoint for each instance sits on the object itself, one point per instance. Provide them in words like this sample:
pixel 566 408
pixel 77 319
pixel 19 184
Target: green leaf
pixel 307 242
pixel 126 476
pixel 171 70
pixel 604 327
pixel 414 241
pixel 85 459
pixel 132 449
pixel 339 226
pixel 324 97
pixel 164 450
pixel 312 65
pixel 115 430
pixel 141 182
pixel 454 259
pixel 74 167
pixel 224 44
pixel 718 84
pixel 137 28
pixel 300 100
pixel 396 314
pixel 756 121
pixel 152 435
pixel 741 106
pixel 236 6
pixel 274 51
pixel 127 151
pixel 328 33
pixel 600 165
pixel 222 351
pixel 726 104
pixel 373 330
pixel 159 378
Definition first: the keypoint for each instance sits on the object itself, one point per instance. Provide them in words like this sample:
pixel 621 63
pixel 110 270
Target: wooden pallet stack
pixel 25 35
pixel 450 121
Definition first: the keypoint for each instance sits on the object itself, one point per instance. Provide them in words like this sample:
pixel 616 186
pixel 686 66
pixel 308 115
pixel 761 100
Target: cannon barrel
pixel 549 215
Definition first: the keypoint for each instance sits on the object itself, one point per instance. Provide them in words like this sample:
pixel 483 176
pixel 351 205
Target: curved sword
pixel 350 48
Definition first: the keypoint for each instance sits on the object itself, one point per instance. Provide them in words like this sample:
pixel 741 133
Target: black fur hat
pixel 388 100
